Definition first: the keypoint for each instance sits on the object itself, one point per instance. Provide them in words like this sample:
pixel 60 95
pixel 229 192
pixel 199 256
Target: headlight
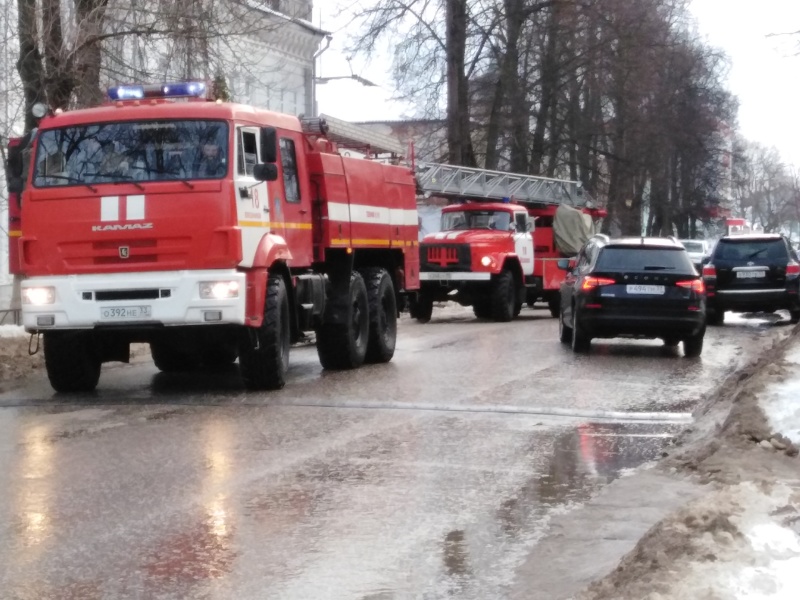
pixel 38 295
pixel 219 290
pixel 487 261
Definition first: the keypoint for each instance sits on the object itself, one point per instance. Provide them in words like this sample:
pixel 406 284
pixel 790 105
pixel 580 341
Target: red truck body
pixel 289 237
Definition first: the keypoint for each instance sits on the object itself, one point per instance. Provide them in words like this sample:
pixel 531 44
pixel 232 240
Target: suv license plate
pixel 645 289
pixel 125 313
pixel 750 274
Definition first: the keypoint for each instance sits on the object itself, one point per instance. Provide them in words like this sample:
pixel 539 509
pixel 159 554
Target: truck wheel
pixel 693 346
pixel 482 307
pixel 422 306
pixel 503 297
pixel 580 341
pixel 264 352
pixel 554 304
pixel 382 315
pixel 173 357
pixel 344 346
pixel 71 360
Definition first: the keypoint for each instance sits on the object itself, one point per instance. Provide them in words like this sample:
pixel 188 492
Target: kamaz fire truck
pixel 500 240
pixel 214 232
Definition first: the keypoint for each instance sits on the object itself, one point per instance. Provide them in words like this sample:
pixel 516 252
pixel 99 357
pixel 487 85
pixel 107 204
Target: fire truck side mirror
pixel 15 185
pixel 269 145
pixel 265 172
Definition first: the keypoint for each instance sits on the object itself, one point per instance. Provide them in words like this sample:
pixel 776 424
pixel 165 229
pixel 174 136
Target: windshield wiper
pixel 126 178
pixel 657 268
pixel 756 253
pixel 72 180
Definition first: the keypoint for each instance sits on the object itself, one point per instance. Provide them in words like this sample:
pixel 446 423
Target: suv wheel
pixel 693 345
pixel 580 341
pixel 715 316
pixel 564 332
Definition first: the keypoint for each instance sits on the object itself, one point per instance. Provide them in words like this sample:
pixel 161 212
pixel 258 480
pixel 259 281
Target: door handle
pixel 303 211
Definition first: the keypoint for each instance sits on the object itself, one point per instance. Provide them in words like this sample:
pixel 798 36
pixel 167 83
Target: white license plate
pixel 125 313
pixel 750 274
pixel 653 290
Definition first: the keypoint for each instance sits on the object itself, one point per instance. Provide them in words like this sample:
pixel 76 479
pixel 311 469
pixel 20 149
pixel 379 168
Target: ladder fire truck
pixel 214 232
pixel 500 240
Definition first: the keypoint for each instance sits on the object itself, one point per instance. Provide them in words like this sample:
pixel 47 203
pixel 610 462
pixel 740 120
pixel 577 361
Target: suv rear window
pixel 636 258
pixel 751 249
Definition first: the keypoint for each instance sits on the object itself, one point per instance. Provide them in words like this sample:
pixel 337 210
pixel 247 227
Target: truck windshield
pixel 131 151
pixel 476 219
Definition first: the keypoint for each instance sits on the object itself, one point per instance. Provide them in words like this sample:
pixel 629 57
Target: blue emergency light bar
pixel 186 89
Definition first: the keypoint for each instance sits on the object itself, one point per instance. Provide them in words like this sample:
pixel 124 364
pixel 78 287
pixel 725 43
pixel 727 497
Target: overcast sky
pixel 765 71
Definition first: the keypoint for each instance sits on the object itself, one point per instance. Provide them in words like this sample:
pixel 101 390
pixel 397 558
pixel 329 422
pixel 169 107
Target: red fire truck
pixel 212 231
pixel 495 254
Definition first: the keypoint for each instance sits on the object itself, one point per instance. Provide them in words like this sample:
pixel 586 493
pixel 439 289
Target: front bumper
pixel 162 298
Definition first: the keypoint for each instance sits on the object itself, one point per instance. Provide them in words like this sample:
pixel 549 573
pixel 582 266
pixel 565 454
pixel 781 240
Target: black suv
pixel 642 287
pixel 750 273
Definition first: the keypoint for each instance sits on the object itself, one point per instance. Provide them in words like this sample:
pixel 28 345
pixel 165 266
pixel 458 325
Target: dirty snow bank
pixel 741 540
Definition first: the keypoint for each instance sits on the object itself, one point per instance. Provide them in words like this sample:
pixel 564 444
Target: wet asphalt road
pixel 428 477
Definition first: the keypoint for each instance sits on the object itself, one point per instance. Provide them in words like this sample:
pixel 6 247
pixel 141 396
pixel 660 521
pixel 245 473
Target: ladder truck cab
pixel 499 239
pixel 212 231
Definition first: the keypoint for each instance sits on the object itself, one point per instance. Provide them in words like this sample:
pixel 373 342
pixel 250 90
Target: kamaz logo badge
pixel 443 256
pixel 122 227
pixel 124 251
pixel 119 212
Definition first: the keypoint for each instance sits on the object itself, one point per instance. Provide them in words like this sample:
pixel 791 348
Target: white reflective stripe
pixel 375 215
pixel 109 208
pixel 453 276
pixel 401 216
pixel 338 212
pixel 134 210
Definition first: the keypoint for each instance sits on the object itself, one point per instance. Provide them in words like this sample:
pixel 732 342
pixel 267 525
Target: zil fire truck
pixel 214 232
pixel 494 254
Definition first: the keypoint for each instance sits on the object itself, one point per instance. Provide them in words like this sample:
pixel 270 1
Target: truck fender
pixel 272 250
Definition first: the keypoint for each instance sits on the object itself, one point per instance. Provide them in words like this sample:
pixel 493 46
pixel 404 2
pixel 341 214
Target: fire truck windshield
pixel 476 219
pixel 131 151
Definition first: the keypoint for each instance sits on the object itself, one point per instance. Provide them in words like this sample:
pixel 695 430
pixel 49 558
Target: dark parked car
pixel 750 273
pixel 633 287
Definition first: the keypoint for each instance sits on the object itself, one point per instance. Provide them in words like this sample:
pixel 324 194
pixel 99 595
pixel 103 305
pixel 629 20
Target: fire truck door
pixel 523 242
pixel 252 197
pixel 292 203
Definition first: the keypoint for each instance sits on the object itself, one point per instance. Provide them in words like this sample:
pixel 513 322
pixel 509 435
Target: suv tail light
pixel 793 268
pixel 696 285
pixel 592 282
pixel 709 271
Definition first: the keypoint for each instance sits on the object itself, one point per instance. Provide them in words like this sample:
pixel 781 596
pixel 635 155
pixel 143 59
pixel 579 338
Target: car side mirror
pixel 706 260
pixel 265 172
pixel 565 264
pixel 512 227
pixel 269 145
pixel 529 226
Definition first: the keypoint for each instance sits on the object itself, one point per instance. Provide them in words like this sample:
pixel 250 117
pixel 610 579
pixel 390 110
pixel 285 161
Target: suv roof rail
pixel 600 236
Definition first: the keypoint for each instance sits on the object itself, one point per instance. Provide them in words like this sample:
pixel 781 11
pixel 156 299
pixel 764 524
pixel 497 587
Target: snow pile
pixel 740 542
pixel 759 559
pixel 781 401
pixel 12 331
